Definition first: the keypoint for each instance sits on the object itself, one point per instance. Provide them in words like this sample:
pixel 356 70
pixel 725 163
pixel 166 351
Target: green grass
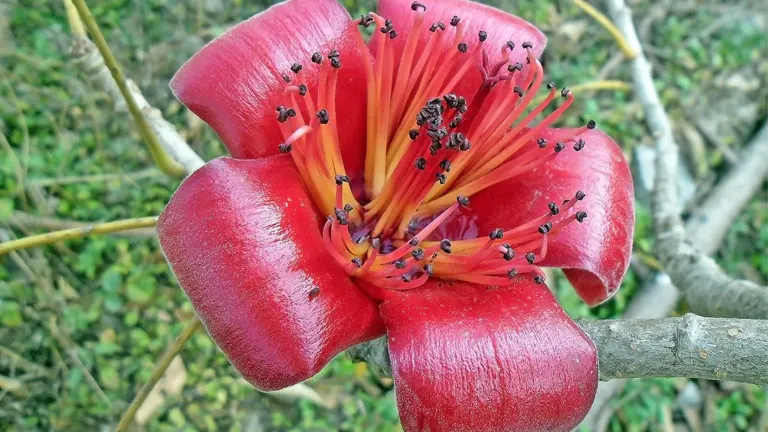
pixel 114 298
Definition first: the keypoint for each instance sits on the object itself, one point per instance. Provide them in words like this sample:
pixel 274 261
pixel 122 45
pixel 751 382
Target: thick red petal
pixel 596 253
pixel 465 357
pixel 500 26
pixel 234 83
pixel 242 238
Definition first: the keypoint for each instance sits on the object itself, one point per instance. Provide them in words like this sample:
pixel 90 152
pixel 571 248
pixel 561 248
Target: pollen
pixel 428 151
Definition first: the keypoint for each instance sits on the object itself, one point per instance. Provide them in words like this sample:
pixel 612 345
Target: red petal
pixel 242 238
pixel 234 82
pixel 596 253
pixel 500 26
pixel 469 358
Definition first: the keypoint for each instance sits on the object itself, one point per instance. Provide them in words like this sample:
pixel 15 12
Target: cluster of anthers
pixel 426 155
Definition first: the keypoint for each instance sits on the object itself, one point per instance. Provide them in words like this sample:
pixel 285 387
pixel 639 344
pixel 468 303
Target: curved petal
pixel 242 238
pixel 466 357
pixel 500 26
pixel 234 83
pixel 595 255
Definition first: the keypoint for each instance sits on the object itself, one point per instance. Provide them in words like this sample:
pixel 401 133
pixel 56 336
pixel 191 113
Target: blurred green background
pixel 83 322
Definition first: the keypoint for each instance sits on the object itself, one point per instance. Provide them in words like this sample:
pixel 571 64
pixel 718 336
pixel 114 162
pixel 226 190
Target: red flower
pixel 364 225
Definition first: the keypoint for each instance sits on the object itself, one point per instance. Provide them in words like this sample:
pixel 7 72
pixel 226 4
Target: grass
pixel 115 303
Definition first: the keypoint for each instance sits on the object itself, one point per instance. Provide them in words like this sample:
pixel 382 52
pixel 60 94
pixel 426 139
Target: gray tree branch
pixel 707 289
pixel 690 346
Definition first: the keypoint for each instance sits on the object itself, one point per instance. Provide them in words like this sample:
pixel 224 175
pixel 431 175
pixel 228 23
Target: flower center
pixel 427 151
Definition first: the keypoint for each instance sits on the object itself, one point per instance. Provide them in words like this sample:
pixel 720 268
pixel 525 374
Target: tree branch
pixel 73 233
pixel 707 289
pixel 690 346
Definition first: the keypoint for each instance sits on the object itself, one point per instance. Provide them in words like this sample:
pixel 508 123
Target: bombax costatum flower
pixel 411 186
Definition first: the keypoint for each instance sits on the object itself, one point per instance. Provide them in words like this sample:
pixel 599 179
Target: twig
pixel 25 222
pixel 726 201
pixel 706 288
pixel 73 233
pixel 161 158
pixel 24 363
pixel 690 346
pixel 629 51
pixel 157 373
pixel 95 178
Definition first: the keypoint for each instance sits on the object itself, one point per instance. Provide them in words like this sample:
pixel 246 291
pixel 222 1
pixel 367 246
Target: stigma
pixel 428 151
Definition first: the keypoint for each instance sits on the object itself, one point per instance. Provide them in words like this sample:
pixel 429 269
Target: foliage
pixel 115 300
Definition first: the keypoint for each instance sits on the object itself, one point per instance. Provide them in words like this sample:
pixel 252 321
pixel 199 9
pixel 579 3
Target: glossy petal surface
pixel 242 238
pixel 595 255
pixel 500 26
pixel 234 83
pixel 468 358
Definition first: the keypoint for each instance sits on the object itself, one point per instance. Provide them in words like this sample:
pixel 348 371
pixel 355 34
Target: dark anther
pixel 335 62
pixel 455 21
pixel 280 108
pixel 420 164
pixel 434 148
pixel 416 6
pixel 376 243
pixel 429 270
pixel 519 91
pixel 442 178
pixel 366 20
pixel 334 53
pixel 579 144
pixel 451 100
pixel 508 254
pixel 400 264
pixel 483 35
pixel 445 246
pixel 406 278
pixel 414 242
pixel 392 34
pixel 413 133
pixel 581 215
pixel 462 200
pixel 341 179
pixel 286 78
pixel 295 68
pixel 591 124
pixel 303 89
pixel 461 104
pixel 445 164
pixel 387 26
pixel 553 208
pixel 357 262
pixel 580 195
pixel 317 58
pixel 284 114
pixel 514 67
pixel 539 279
pixel 462 47
pixel 565 92
pixel 541 142
pixel 438 25
pixel 550 86
pixel 496 234
pixel 348 208
pixel 456 121
pixel 527 45
pixel 285 148
pixel 341 216
pixel 547 227
pixel 530 257
pixel 510 45
pixel 512 273
pixel 559 147
pixel 418 254
pixel 314 292
pixel 323 116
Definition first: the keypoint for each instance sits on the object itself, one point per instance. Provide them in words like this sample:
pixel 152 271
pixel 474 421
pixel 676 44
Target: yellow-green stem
pixel 161 158
pixel 629 53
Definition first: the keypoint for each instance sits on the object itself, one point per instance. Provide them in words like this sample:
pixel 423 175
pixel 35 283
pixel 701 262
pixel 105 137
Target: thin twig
pixel 24 363
pixel 68 234
pixel 161 158
pixel 95 178
pixel 157 373
pixel 629 51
